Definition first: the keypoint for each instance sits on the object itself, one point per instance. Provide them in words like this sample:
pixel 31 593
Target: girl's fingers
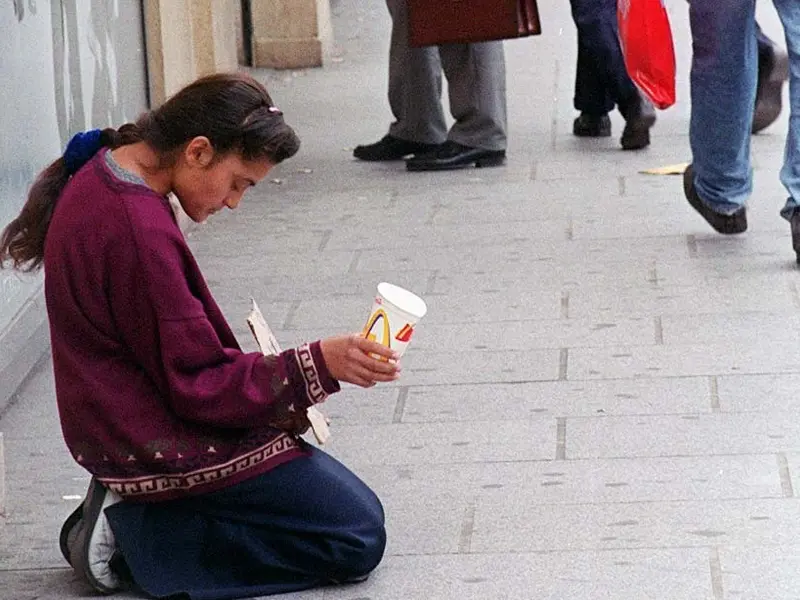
pixel 381 371
pixel 364 374
pixel 373 364
pixel 368 346
pixel 384 377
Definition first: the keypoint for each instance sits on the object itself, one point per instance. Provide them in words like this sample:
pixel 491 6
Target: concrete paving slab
pixel 644 574
pixel 683 360
pixel 547 276
pixel 515 527
pixel 357 406
pixel 320 286
pixel 775 275
pixel 760 572
pixel 475 366
pixel 742 328
pixel 682 435
pixel 758 393
pixel 62 584
pixel 531 334
pixel 424 235
pixel 512 253
pixel 716 296
pixel 444 442
pixel 582 481
pixel 485 402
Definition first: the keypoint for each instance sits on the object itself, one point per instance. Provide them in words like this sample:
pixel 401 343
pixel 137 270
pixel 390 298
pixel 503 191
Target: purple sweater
pixel 156 398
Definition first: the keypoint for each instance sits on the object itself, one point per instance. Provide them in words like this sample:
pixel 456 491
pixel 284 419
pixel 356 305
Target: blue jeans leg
pixel 306 523
pixel 789 12
pixel 723 88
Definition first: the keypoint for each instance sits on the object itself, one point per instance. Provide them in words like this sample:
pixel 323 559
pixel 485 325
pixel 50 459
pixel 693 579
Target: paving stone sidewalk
pixel 603 401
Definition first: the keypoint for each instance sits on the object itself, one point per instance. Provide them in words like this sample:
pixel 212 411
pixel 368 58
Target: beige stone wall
pixel 223 30
pixel 187 39
pixel 290 34
pixel 237 22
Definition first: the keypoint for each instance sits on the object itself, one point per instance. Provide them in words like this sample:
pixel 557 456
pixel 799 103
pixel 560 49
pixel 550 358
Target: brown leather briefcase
pixel 433 22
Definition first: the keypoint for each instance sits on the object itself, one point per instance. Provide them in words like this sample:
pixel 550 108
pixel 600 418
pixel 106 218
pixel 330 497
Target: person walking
pixel 724 83
pixel 602 81
pixel 477 91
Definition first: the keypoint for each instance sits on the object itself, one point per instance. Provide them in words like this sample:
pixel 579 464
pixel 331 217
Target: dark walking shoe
pixel 89 542
pixel 587 125
pixel 452 155
pixel 795 224
pixel 390 148
pixel 638 120
pixel 67 538
pixel 772 72
pixel 725 224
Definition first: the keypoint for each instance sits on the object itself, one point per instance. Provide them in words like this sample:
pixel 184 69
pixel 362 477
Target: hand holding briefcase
pixel 433 22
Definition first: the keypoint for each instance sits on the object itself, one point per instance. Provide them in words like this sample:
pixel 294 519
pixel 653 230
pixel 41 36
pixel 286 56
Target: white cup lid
pixel 403 299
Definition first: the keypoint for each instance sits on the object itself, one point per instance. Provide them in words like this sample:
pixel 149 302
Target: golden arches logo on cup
pixel 393 317
pixel 377 329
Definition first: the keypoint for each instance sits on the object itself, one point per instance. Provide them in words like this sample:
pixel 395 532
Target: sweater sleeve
pixel 157 292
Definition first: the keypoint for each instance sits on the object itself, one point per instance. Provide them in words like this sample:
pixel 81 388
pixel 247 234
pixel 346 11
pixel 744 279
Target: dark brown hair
pixel 233 110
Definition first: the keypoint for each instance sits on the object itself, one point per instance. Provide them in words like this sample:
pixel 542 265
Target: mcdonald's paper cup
pixel 394 315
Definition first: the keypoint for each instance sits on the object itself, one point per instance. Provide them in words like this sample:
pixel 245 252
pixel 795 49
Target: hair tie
pixel 274 110
pixel 80 149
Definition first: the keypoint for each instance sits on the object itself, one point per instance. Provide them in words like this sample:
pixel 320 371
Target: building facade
pixel 67 65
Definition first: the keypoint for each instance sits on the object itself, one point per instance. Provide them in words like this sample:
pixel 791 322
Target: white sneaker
pixel 90 543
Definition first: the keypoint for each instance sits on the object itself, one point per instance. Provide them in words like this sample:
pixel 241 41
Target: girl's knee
pixel 373 552
pixel 364 553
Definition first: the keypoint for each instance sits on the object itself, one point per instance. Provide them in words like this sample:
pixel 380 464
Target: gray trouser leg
pixel 415 84
pixel 476 79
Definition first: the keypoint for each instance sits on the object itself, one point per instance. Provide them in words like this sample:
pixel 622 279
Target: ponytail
pixel 22 241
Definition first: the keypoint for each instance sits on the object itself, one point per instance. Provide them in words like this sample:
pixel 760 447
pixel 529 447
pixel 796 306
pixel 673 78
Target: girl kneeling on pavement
pixel 201 484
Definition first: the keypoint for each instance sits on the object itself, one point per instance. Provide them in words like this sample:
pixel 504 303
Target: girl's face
pixel 206 182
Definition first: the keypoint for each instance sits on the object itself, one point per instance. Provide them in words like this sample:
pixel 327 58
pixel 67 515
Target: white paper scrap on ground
pixel 268 345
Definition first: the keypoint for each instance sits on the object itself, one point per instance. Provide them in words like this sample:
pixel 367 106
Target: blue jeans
pixel 306 523
pixel 601 80
pixel 723 88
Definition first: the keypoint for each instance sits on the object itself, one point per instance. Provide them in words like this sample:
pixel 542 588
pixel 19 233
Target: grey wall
pixel 67 65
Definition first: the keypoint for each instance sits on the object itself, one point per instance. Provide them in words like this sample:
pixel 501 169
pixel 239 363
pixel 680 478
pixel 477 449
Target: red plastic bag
pixel 646 39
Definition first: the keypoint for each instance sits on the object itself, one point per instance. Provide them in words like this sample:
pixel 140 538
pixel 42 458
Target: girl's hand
pixel 348 359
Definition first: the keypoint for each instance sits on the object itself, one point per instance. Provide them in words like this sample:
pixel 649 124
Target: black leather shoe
pixel 726 224
pixel 639 118
pixel 390 148
pixel 795 223
pixel 773 70
pixel 452 155
pixel 587 125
